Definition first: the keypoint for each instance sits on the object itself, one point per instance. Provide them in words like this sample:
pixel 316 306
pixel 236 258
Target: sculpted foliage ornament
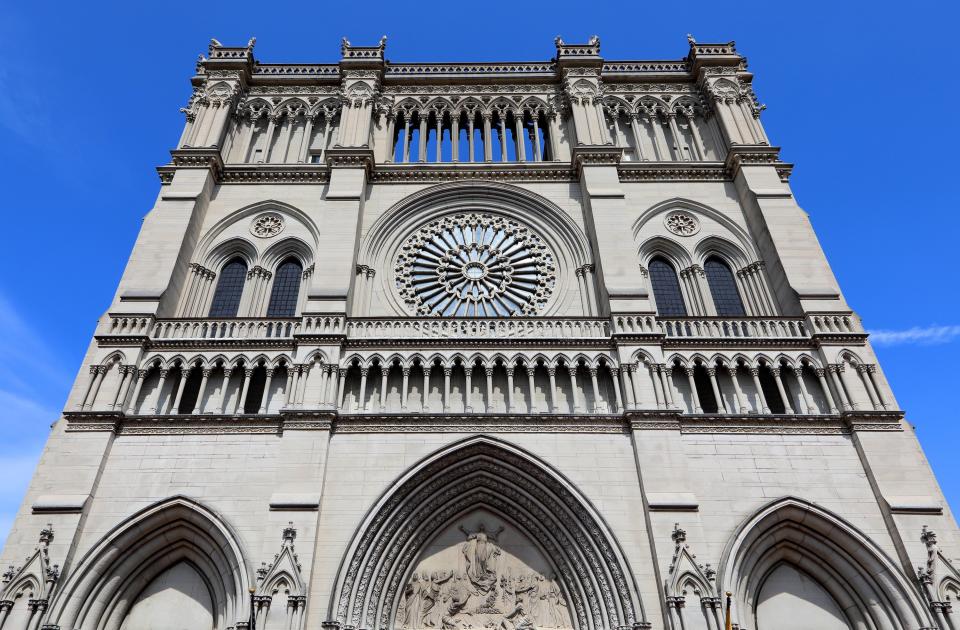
pixel 682 223
pixel 475 265
pixel 267 225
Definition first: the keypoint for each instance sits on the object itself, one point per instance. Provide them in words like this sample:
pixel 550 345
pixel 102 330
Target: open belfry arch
pixel 461 346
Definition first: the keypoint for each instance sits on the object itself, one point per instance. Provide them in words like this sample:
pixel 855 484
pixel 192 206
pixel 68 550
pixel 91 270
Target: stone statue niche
pixel 482 573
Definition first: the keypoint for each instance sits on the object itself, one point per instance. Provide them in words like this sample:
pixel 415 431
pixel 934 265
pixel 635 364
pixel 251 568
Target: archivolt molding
pixel 485 473
pixel 864 582
pixel 212 250
pixel 106 581
pixel 735 252
pixel 381 244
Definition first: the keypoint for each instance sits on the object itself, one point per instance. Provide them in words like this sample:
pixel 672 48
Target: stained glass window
pixel 286 289
pixel 226 299
pixel 723 288
pixel 666 289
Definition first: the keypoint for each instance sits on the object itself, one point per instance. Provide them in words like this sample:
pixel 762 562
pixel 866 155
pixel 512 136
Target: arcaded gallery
pixel 468 346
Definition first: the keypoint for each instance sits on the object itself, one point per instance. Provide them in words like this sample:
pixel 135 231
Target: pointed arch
pixel 107 580
pixel 483 472
pixel 567 241
pixel 857 574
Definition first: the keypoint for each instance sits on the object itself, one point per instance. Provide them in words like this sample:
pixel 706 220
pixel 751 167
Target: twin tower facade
pixel 414 346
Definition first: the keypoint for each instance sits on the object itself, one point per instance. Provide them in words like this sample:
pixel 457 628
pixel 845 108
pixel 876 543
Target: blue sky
pixel 860 97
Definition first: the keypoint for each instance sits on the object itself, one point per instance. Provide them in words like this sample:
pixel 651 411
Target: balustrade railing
pixel 216 329
pixel 725 328
pixel 374 328
pixel 478 328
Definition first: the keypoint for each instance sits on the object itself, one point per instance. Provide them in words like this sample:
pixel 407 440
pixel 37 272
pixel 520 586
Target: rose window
pixel 682 224
pixel 475 265
pixel 267 225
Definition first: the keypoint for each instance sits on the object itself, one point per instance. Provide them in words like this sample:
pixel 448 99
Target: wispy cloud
pixel 918 335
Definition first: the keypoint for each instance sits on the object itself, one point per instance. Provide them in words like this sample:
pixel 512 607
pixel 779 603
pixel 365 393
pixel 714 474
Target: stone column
pixel 405 156
pixel 362 398
pixel 788 407
pixel 635 123
pixel 141 376
pixel 552 373
pixel 530 374
pixel 447 371
pixel 694 394
pixel 597 403
pixel 125 370
pixel 868 385
pixel 666 374
pixel 489 371
pixel 204 379
pixel 265 400
pixel 181 385
pixel 426 387
pixel 872 375
pixel 805 403
pixel 384 375
pixel 293 379
pixel 617 384
pixel 577 403
pixel 163 380
pixel 842 390
pixel 654 373
pixel 510 389
pixel 721 403
pixel 468 395
pixel 755 373
pixel 403 391
pixel 487 144
pixel 244 390
pixel 737 391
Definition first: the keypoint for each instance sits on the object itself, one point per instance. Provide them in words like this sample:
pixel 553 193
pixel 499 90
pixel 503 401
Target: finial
pixel 344 44
pixel 251 43
pixel 558 41
pixel 215 43
pixel 289 534
pixel 690 39
pixel 383 42
pixel 46 535
pixel 593 41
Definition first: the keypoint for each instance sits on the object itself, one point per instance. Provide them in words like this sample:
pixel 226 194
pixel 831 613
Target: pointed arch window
pixel 226 299
pixel 286 289
pixel 723 288
pixel 666 289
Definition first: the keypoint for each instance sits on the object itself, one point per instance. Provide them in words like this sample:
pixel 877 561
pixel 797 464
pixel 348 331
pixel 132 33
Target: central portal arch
pixel 469 527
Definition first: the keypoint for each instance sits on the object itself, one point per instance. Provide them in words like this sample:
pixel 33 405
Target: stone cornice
pixel 631 172
pixel 350 157
pixel 436 173
pixel 406 422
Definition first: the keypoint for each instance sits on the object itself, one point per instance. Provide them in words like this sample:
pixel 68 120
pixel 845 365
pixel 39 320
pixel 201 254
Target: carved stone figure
pixel 482 585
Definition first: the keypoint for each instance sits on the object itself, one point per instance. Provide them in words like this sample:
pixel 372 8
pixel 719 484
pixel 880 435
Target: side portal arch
pixel 792 542
pixel 482 486
pixel 174 542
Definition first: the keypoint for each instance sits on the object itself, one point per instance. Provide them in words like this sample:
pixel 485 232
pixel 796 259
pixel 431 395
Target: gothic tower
pixel 427 346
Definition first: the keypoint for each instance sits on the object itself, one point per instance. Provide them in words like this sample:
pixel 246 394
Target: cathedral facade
pixel 509 346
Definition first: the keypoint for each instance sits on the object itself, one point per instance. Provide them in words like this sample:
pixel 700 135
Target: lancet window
pixel 666 289
pixel 286 289
pixel 226 299
pixel 723 288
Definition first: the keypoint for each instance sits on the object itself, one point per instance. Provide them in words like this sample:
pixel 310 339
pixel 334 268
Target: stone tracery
pixel 475 265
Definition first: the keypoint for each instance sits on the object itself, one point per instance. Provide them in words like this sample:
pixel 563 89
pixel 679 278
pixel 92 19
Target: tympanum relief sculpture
pixel 482 573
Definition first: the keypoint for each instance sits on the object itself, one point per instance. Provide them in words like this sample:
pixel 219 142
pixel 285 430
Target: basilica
pixel 479 346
